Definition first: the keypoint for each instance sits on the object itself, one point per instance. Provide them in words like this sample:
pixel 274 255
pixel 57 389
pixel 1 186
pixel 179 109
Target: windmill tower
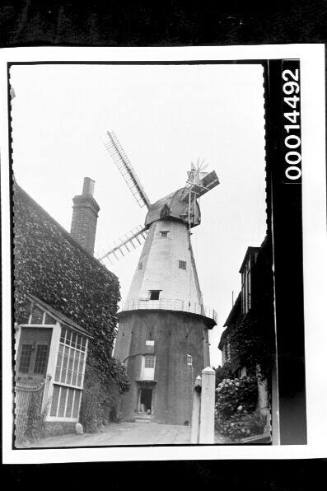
pixel 163 325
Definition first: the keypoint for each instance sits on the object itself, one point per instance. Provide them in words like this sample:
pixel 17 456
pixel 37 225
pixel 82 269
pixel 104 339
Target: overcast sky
pixel 165 117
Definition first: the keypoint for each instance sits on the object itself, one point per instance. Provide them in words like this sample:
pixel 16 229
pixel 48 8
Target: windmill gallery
pixel 163 324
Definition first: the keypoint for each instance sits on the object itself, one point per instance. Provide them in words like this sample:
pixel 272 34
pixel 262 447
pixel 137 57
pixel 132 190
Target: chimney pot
pixel 88 186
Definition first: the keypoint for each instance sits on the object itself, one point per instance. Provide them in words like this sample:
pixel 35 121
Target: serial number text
pixel 292 140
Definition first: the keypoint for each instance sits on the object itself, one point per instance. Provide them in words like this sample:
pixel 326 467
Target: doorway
pixel 33 354
pixel 145 401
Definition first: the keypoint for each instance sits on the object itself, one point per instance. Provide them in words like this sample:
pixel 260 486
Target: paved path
pixel 123 434
pixel 116 434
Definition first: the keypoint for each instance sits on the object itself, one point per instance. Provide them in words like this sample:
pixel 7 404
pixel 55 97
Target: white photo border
pixel 312 58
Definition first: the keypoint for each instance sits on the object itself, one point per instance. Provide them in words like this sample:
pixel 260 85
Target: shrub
pixel 235 393
pixel 235 408
pixel 241 425
pixel 223 372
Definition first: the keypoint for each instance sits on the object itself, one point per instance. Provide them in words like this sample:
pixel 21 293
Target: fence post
pixel 195 425
pixel 207 413
pixel 45 399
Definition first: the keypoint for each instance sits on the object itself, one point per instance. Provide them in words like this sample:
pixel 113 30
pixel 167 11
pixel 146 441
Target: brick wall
pixel 175 334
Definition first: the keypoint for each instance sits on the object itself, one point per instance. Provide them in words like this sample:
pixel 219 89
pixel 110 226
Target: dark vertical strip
pixel 286 225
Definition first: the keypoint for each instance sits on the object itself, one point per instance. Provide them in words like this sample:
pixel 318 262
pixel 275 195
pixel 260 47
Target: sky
pixel 165 117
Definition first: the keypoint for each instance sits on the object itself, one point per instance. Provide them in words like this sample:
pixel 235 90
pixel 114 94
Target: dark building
pixel 247 344
pixel 65 313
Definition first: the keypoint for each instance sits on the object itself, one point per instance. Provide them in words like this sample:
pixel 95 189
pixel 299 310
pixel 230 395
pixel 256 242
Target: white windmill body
pixel 163 325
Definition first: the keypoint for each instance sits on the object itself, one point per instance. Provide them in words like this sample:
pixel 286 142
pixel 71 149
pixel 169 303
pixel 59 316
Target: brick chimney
pixel 85 215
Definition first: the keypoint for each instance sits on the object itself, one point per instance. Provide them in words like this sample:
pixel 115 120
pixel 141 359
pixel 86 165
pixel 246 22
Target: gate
pixel 28 409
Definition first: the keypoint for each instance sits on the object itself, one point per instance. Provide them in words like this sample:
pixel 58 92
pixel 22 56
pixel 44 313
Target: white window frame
pixel 60 384
pixel 148 373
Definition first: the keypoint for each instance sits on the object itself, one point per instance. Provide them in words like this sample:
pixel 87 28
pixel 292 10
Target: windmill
pixel 163 325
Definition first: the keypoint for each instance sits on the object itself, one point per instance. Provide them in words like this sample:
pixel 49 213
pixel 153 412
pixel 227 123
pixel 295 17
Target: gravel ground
pixel 116 434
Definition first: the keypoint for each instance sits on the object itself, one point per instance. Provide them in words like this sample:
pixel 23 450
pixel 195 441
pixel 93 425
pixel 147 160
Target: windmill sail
pixel 133 238
pixel 125 167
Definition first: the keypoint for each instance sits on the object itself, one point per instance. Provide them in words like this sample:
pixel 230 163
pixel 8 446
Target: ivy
pixel 100 402
pixel 252 345
pixel 251 335
pixel 50 265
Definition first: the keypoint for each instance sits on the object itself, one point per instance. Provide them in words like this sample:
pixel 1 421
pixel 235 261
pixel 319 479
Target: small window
pixel 140 265
pixel 149 361
pixel 164 233
pixel 154 294
pixel 189 360
pixel 149 342
pixel 37 316
pixel 182 264
pixel 25 358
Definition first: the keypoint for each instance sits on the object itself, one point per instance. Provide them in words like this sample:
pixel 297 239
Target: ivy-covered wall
pixel 49 264
pixel 251 335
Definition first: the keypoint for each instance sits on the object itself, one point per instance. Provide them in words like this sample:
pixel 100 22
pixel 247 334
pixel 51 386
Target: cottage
pixel 65 312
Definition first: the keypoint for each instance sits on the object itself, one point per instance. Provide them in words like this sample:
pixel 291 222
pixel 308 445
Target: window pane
pixel 59 362
pixel 75 369
pixel 70 366
pixel 182 264
pixel 41 359
pixel 69 336
pixel 79 341
pixel 63 335
pixel 37 316
pixel 83 343
pixel 149 361
pixel 74 338
pixel 154 294
pixel 25 358
pixel 49 319
pixel 76 403
pixel 65 364
pixel 54 404
pixel 80 370
pixel 62 403
pixel 69 406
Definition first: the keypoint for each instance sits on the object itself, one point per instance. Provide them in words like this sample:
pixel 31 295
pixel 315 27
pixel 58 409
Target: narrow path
pixel 116 434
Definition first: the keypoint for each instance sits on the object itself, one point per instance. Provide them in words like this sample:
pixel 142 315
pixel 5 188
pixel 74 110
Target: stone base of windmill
pixel 181 352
